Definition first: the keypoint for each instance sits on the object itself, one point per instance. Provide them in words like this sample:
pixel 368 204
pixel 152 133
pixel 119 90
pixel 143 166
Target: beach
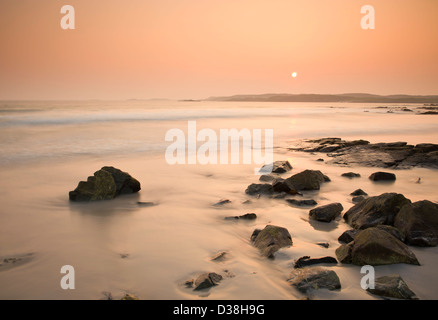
pixel 119 246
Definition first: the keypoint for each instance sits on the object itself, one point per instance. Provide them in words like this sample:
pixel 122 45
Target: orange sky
pixel 198 48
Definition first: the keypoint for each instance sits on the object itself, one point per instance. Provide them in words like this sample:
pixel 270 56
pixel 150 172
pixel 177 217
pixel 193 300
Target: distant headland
pixel 345 97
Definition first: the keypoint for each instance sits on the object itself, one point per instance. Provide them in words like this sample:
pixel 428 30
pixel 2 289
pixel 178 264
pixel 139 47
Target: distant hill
pixel 345 97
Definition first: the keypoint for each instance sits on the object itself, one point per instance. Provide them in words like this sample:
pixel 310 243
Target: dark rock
pixel 271 239
pixel 206 280
pixel 221 256
pixel 351 175
pixel 302 203
pixel 362 153
pixel 308 279
pixel 348 236
pixel 259 189
pixel 323 244
pixel 358 199
pixel 359 192
pixel 392 286
pixel 375 210
pixel 101 186
pixel 254 234
pixel 280 185
pixel 222 202
pixel 268 177
pixel 418 222
pixel 307 180
pixel 374 247
pixel 382 176
pixel 277 167
pixel 248 216
pixel 307 261
pixel 125 184
pixel 106 184
pixel 326 213
pixel 393 231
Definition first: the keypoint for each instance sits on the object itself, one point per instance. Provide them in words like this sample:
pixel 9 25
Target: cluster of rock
pixel 363 153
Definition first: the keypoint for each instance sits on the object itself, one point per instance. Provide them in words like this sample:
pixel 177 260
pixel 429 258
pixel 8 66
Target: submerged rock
pixel 248 216
pixel 358 199
pixel 351 175
pixel 309 279
pixel 418 222
pixel 302 203
pixel 222 202
pixel 375 247
pixel 206 280
pixel 259 189
pixel 326 213
pixel 307 261
pixel 375 210
pixel 105 184
pixel 383 176
pixel 358 192
pixel 271 239
pixel 276 167
pixel 392 286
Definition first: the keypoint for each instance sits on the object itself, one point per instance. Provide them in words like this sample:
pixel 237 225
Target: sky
pixel 194 49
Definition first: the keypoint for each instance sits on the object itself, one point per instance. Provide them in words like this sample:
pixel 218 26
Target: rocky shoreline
pixel 394 155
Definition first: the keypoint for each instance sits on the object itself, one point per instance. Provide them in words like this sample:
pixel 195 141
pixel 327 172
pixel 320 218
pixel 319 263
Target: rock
pixel 277 167
pixel 383 176
pixel 271 239
pixel 362 153
pixel 146 204
pixel 280 185
pixel 392 286
pixel 307 180
pixel 348 236
pixel 375 210
pixel 222 202
pixel 418 222
pixel 375 247
pixel 101 186
pixel 393 231
pixel 268 177
pixel 326 213
pixel 351 175
pixel 302 203
pixel 125 184
pixel 129 296
pixel 206 280
pixel 248 216
pixel 308 279
pixel 221 256
pixel 358 199
pixel 323 244
pixel 259 189
pixel 358 192
pixel 307 261
pixel 106 184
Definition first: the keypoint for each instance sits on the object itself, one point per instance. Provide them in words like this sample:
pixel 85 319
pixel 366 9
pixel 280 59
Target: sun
pixel 294 74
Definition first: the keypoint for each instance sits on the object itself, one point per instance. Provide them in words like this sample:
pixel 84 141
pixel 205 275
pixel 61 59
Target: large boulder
pixel 382 176
pixel 418 222
pixel 374 246
pixel 376 210
pixel 271 239
pixel 307 180
pixel 105 184
pixel 326 213
pixel 313 278
pixel 392 286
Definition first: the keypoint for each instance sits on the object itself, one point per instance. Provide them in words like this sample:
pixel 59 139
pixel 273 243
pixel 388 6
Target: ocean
pixel 117 246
